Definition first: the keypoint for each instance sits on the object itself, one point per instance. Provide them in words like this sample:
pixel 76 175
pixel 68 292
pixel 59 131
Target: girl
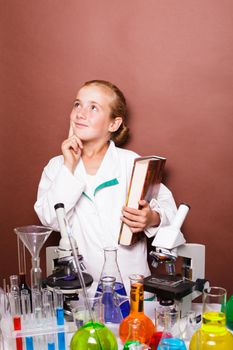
pixel 91 178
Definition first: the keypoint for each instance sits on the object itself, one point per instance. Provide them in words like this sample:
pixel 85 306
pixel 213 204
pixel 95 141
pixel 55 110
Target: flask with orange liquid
pixel 136 312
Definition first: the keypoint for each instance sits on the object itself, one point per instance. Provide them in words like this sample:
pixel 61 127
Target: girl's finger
pixel 71 132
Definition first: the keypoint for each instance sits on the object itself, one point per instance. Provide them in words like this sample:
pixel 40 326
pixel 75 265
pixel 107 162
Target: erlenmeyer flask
pixel 171 337
pixel 213 334
pixel 111 268
pixel 136 333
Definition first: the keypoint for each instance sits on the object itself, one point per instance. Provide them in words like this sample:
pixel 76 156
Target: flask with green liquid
pixel 93 336
pixel 213 334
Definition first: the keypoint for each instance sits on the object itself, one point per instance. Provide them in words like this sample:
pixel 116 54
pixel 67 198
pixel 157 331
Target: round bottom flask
pixel 93 336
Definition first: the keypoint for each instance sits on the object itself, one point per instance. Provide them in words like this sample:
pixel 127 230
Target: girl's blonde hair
pixel 119 109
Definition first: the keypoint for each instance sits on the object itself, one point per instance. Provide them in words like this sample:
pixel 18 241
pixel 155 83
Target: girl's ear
pixel 115 124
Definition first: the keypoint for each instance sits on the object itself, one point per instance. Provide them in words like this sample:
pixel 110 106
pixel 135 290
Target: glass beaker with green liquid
pixel 213 333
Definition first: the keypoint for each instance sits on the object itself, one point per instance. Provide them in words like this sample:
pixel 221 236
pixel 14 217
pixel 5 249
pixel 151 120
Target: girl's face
pixel 91 113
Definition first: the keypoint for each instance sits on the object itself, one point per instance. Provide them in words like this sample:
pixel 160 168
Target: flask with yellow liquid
pixel 213 334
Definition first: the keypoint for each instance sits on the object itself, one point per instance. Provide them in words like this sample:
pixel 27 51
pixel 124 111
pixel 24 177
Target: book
pixel 144 184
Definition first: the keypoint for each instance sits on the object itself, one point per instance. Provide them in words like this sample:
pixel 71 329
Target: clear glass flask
pixel 111 268
pixel 171 337
pixel 136 333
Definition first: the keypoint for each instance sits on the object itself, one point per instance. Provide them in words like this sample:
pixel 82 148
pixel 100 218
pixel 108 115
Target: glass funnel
pixel 34 237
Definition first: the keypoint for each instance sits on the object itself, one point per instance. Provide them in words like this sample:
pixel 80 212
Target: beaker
pixel 213 333
pixel 81 314
pixel 33 237
pixel 111 268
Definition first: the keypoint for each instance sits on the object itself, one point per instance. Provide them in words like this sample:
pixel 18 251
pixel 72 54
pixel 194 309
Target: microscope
pixel 170 244
pixel 60 265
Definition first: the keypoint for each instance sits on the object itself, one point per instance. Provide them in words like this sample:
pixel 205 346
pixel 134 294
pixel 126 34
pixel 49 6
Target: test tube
pixel 58 300
pixel 26 311
pixel 15 313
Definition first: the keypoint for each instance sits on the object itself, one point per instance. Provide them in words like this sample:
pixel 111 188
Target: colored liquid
pixel 155 339
pixel 112 312
pixel 172 344
pixel 17 327
pixel 94 336
pixel 120 289
pixel 126 346
pixel 213 333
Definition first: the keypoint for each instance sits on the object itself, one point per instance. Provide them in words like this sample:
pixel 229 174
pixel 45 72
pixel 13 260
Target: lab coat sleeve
pixel 166 207
pixel 57 185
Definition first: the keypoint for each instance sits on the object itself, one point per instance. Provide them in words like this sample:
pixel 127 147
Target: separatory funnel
pixel 34 237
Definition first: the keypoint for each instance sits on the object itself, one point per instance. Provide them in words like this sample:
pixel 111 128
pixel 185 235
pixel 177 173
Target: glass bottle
pixel 111 268
pixel 136 333
pixel 136 310
pixel 94 336
pixel 213 333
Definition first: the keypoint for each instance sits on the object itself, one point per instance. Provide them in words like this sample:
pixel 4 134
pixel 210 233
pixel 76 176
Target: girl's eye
pixel 93 108
pixel 76 104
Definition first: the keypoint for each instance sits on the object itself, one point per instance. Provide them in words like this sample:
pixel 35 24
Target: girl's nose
pixel 82 113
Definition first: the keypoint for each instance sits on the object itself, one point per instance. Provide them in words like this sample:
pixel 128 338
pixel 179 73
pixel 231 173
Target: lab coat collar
pixel 108 172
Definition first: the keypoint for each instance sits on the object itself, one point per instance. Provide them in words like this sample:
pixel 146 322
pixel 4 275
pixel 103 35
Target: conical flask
pixel 136 333
pixel 171 336
pixel 213 334
pixel 111 268
pixel 34 237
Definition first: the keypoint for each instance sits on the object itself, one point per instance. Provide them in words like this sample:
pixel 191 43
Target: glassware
pixel 136 311
pixel 213 333
pixel 14 284
pixel 189 325
pixel 22 265
pixel 112 301
pixel 171 337
pixel 80 313
pixel 94 336
pixel 111 268
pixel 229 312
pixel 33 238
pixel 135 331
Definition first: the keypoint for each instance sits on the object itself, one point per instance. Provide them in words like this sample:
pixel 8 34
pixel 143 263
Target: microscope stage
pixel 168 287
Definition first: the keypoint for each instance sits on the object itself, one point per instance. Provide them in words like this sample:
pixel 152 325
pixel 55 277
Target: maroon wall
pixel 173 60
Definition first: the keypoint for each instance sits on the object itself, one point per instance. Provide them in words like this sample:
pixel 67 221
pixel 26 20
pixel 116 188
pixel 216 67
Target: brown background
pixel 174 62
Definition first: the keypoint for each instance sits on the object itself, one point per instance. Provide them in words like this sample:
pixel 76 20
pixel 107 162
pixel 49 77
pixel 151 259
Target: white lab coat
pixel 95 217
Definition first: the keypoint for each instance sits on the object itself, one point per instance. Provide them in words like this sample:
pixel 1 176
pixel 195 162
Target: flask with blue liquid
pixel 111 268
